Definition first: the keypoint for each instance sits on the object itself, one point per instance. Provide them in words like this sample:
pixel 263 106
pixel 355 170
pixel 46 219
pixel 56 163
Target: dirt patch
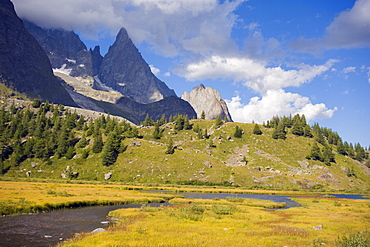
pixel 236 159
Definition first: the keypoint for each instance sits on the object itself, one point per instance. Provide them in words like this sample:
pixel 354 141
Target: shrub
pixel 356 239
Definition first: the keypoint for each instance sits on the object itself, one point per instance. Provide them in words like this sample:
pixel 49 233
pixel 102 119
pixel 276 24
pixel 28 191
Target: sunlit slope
pixel 254 161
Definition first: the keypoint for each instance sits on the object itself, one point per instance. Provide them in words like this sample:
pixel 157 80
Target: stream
pixel 48 229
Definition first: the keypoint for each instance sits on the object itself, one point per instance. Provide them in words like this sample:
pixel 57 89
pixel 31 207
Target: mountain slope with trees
pixel 46 141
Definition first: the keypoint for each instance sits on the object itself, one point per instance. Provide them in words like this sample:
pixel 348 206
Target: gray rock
pixel 98 230
pixel 108 175
pixel 208 100
pixel 124 70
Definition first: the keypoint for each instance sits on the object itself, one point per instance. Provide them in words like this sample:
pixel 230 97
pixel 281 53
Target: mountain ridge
pixel 23 64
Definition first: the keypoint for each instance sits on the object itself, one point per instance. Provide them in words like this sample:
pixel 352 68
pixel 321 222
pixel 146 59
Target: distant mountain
pixel 24 65
pixel 120 83
pixel 209 100
pixel 67 53
pixel 124 70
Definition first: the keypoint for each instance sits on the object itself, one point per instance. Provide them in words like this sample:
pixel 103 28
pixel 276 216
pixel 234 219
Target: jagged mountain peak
pixel 124 70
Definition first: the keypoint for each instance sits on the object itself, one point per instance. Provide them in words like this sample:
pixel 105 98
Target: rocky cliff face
pixel 24 65
pixel 208 100
pixel 120 83
pixel 170 106
pixel 124 70
pixel 67 53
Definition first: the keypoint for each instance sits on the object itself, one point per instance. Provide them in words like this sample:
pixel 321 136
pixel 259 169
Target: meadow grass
pixel 33 197
pixel 218 222
pixel 232 221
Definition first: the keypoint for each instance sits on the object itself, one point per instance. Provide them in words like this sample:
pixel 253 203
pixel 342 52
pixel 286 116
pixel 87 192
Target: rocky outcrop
pixel 124 70
pixel 24 65
pixel 209 100
pixel 121 83
pixel 66 51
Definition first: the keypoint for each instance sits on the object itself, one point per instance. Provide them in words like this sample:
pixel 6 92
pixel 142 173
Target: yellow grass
pixel 245 226
pixel 199 222
pixel 37 196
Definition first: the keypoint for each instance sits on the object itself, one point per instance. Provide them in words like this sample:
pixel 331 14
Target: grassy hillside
pixel 252 161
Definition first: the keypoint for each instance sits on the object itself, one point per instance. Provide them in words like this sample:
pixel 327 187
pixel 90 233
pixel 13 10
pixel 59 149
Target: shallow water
pixel 48 229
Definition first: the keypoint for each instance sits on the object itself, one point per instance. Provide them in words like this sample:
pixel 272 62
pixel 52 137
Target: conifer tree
pixel 83 142
pixel 196 128
pixel 170 147
pixel 327 155
pixel 109 153
pixel 307 131
pixel 279 132
pixel 315 153
pixel 203 115
pixel 218 121
pixel 341 149
pixel 238 132
pixel 257 130
pixel 70 153
pixel 98 141
pixel 157 133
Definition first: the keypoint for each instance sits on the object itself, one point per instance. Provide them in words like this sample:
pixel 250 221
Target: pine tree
pixel 83 142
pixel 218 121
pixel 170 147
pixel 238 132
pixel 109 153
pixel 257 130
pixel 196 128
pixel 70 153
pixel 307 131
pixel 341 149
pixel 327 155
pixel 157 133
pixel 200 134
pixel 98 141
pixel 203 115
pixel 279 132
pixel 187 125
pixel 360 152
pixel 315 153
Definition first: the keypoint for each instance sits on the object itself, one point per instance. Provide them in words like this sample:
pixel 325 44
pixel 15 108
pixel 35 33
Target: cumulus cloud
pixel 252 73
pixel 351 28
pixel 276 102
pixel 154 70
pixel 172 27
pixel 349 69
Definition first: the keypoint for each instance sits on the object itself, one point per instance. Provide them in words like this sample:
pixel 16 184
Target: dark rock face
pixel 209 100
pixel 170 106
pixel 24 65
pixel 124 70
pixel 66 50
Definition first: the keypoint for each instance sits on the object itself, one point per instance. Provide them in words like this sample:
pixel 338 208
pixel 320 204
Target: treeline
pixel 328 139
pixel 45 130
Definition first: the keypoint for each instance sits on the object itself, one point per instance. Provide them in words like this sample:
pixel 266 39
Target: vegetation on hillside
pixel 51 141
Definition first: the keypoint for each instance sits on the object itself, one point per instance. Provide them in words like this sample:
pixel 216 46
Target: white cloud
pixel 154 70
pixel 349 29
pixel 168 74
pixel 349 69
pixel 276 102
pixel 172 27
pixel 254 74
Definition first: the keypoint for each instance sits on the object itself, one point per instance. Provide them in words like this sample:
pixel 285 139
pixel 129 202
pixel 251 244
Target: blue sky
pixel 265 57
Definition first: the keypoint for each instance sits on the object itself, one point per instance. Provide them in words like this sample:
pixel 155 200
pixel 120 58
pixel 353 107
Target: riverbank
pixel 232 220
pixel 225 222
